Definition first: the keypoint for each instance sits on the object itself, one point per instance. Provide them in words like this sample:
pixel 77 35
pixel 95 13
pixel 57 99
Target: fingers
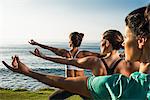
pixel 36 53
pixel 31 41
pixel 15 62
pixel 36 50
pixel 8 66
pixel 12 57
pixel 32 53
pixel 17 58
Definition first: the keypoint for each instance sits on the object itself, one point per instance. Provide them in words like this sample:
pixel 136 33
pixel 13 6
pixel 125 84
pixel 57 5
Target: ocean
pixel 11 80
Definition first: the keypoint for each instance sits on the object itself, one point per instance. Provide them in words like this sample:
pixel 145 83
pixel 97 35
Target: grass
pixel 22 94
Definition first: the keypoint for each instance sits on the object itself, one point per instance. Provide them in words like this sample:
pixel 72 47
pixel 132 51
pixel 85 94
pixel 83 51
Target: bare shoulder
pixel 135 65
pixel 63 50
pixel 95 61
pixel 126 68
pixel 90 60
pixel 97 66
pixel 122 65
pixel 128 64
pixel 64 53
pixel 81 54
pixel 93 58
pixel 85 53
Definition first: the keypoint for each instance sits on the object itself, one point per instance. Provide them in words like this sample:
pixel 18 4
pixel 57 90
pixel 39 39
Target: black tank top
pixel 110 70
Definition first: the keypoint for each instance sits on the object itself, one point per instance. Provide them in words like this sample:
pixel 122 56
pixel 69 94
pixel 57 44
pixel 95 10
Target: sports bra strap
pixel 106 66
pixel 110 70
pixel 75 54
pixel 115 64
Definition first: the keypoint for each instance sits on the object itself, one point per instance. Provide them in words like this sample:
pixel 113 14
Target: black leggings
pixel 62 94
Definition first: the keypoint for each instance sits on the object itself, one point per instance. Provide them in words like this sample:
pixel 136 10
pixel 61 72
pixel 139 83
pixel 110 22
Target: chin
pixel 131 59
pixel 128 58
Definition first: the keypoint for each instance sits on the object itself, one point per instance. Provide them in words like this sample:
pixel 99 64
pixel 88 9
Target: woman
pixel 110 44
pixel 117 86
pixel 75 40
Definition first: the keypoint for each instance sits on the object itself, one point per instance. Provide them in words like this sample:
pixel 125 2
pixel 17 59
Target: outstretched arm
pixel 84 53
pixel 57 51
pixel 73 84
pixel 89 62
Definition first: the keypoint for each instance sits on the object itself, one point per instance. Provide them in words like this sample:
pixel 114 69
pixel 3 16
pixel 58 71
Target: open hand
pixel 37 53
pixel 17 66
pixel 32 42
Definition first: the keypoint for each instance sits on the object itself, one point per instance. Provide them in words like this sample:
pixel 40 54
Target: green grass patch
pixel 22 94
pixel 20 90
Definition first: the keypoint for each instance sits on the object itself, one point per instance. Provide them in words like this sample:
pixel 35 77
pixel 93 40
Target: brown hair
pixel 138 21
pixel 76 38
pixel 114 37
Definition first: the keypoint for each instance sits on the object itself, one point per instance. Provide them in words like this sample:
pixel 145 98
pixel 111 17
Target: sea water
pixel 11 80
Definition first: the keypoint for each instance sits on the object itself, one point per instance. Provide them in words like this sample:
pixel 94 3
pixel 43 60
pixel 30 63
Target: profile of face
pixel 131 46
pixel 102 45
pixel 105 46
pixel 137 33
pixel 70 43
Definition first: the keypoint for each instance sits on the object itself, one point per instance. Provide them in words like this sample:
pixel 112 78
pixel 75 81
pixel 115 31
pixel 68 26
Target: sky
pixel 52 20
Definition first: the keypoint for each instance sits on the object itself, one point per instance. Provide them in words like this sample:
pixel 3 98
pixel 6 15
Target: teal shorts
pixel 118 86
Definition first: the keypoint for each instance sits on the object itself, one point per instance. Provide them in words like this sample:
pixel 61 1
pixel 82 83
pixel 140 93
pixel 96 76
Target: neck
pixel 145 57
pixel 145 53
pixel 144 68
pixel 112 54
pixel 115 52
pixel 74 49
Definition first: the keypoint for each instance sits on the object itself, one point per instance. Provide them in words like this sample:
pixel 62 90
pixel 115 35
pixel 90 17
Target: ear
pixel 107 43
pixel 141 42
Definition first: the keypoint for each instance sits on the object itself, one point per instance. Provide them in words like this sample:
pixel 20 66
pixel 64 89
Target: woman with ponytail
pixel 75 40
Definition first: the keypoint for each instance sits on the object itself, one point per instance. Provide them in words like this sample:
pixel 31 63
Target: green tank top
pixel 120 87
